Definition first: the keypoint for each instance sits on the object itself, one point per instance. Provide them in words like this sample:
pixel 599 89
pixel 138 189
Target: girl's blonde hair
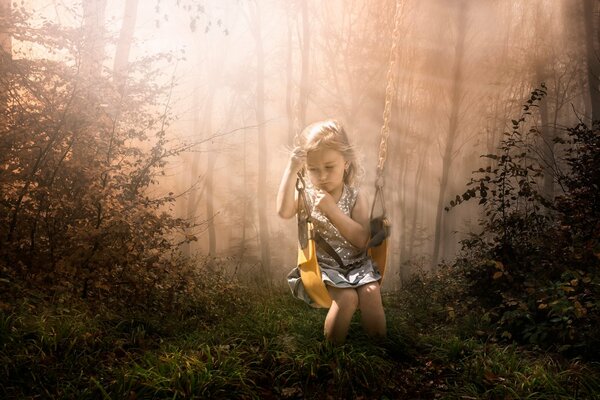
pixel 330 134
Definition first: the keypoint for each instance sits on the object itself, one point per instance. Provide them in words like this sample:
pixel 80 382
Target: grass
pixel 270 348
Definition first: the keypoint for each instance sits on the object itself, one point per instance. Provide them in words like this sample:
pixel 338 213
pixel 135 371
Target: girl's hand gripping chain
pixel 297 160
pixel 286 199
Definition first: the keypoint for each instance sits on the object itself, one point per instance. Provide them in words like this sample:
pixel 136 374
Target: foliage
pixel 533 269
pixel 79 160
pixel 508 190
pixel 430 298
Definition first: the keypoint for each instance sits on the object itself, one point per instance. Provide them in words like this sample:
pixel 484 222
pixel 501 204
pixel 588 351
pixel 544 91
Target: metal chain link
pixel 390 92
pixel 295 125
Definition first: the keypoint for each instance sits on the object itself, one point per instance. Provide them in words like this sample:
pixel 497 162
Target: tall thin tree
pixel 121 64
pixel 5 22
pixel 261 197
pixel 94 38
pixel 289 76
pixel 304 73
pixel 5 45
pixel 452 133
pixel 592 38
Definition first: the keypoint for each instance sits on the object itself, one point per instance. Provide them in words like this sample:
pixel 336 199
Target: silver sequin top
pixel 350 255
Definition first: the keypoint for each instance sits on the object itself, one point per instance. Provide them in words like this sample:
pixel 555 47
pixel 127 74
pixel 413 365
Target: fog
pixel 249 75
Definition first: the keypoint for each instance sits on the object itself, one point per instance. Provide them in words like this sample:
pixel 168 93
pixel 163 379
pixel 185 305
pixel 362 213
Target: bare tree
pixel 92 57
pixel 354 49
pixel 304 73
pixel 592 37
pixel 261 197
pixel 5 46
pixel 210 188
pixel 121 64
pixel 214 76
pixel 451 136
pixel 192 201
pixel 289 75
pixel 559 71
pixel 5 22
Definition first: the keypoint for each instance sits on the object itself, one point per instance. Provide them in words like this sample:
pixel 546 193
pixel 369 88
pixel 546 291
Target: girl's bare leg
pixel 371 309
pixel 343 305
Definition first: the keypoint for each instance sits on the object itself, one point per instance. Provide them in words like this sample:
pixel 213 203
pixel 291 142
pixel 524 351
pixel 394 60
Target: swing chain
pixel 305 231
pixel 390 91
pixel 302 200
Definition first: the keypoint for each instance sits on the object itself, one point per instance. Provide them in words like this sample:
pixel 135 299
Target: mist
pixel 244 77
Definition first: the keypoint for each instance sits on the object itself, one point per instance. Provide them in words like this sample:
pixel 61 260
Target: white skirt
pixel 355 276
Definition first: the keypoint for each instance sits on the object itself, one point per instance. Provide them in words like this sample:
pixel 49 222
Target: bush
pixel 78 160
pixel 534 268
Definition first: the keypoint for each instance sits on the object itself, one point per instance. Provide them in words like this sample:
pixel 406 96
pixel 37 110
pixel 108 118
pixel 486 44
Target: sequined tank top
pixel 351 256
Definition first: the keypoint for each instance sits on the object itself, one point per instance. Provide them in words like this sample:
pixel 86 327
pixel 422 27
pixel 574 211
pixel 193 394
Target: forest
pixel 141 150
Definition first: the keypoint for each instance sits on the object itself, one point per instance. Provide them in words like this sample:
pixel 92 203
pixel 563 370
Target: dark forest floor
pixel 271 347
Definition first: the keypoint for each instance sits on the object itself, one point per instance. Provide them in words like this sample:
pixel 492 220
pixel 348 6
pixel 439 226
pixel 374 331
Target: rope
pixel 390 91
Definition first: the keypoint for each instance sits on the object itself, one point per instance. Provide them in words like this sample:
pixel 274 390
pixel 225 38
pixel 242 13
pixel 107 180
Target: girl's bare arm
pixel 286 197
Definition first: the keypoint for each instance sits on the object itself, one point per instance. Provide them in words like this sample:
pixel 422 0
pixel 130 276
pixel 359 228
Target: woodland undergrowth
pixel 532 272
pixel 270 346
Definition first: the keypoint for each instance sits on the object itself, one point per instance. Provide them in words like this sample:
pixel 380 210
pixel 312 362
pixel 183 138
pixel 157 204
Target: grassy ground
pixel 271 347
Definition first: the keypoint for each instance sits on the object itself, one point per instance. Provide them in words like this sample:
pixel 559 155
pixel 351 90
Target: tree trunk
pixel 121 64
pixel 457 89
pixel 210 195
pixel 547 136
pixel 5 46
pixel 399 209
pixel 192 200
pixel 416 203
pixel 214 75
pixel 261 197
pixel 304 77
pixel 592 33
pixel 5 36
pixel 245 202
pixel 404 122
pixel 94 39
pixel 289 75
pixel 544 57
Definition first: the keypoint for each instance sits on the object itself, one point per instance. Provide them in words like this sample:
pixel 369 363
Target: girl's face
pixel 326 169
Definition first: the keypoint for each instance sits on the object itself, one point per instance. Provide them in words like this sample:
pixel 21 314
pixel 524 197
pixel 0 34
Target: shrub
pixel 534 267
pixel 79 159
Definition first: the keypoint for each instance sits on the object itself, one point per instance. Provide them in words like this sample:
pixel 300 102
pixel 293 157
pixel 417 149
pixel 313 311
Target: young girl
pixel 340 215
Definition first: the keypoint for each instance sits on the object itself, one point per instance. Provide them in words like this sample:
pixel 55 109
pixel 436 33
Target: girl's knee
pixel 349 300
pixel 345 298
pixel 370 291
pixel 373 287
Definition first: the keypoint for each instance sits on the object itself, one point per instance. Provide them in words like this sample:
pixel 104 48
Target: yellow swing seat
pixel 310 272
